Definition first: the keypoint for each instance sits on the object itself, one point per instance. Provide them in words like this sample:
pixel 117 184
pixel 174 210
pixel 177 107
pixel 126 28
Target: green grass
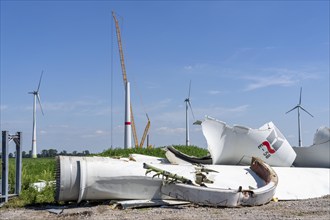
pixel 156 152
pixel 34 170
pixel 117 152
pixel 192 150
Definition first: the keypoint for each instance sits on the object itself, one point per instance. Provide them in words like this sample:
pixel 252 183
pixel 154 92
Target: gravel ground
pixel 318 208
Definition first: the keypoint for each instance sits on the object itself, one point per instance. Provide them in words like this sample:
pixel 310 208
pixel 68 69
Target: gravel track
pixel 318 208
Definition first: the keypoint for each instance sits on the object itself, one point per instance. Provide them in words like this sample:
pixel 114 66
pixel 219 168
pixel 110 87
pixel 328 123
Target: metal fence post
pixel 18 180
pixel 4 197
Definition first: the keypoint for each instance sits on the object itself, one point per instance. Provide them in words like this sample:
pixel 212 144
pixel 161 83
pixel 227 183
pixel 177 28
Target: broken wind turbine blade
pixel 172 152
pixel 97 178
pixel 317 154
pixel 218 197
pixel 238 144
pixel 294 182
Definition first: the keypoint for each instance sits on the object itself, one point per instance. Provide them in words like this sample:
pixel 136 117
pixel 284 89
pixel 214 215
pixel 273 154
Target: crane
pixel 145 132
pixel 123 68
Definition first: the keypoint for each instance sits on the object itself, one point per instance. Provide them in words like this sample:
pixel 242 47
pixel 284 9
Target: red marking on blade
pixel 127 123
pixel 269 148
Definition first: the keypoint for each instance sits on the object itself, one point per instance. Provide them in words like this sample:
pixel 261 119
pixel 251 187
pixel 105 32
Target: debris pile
pixel 222 179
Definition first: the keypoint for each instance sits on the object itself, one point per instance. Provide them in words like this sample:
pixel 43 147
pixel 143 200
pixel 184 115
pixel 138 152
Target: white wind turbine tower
pixel 36 97
pixel 298 107
pixel 188 104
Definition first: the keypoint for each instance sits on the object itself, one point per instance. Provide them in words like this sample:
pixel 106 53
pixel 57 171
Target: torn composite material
pixel 96 178
pixel 316 155
pixel 214 196
pixel 236 145
pixel 131 204
pixel 294 182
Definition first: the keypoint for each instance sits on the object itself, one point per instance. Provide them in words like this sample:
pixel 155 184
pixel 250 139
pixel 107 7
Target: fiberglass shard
pixel 238 144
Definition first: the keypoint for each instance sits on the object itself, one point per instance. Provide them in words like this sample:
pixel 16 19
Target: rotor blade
pixel 189 89
pixel 191 110
pixel 306 111
pixel 300 96
pixel 292 109
pixel 42 72
pixel 38 97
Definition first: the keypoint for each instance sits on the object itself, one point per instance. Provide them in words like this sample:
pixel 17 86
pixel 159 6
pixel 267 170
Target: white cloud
pixel 240 52
pixel 174 122
pixel 278 77
pixel 241 108
pixel 152 85
pixel 160 104
pixel 265 81
pixel 223 111
pixel 85 107
pixel 59 126
pixel 196 67
pixel 3 107
pixel 188 67
pixel 170 131
pixel 100 132
pixel 169 117
pixel 213 92
pixel 96 133
pixel 69 106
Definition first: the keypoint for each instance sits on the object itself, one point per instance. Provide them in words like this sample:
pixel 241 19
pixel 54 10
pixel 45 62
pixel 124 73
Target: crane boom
pixel 145 133
pixel 123 68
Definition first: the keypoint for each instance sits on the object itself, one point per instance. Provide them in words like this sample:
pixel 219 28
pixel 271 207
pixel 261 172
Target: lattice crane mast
pixel 145 132
pixel 123 68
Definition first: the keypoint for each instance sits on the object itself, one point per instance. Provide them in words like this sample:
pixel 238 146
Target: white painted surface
pixel 316 155
pixel 238 144
pixel 106 178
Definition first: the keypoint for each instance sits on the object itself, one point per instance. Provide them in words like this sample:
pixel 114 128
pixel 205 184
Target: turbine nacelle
pixel 299 106
pixel 36 93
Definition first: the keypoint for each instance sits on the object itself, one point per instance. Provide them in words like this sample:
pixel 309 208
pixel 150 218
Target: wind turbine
pixel 298 107
pixel 188 104
pixel 36 97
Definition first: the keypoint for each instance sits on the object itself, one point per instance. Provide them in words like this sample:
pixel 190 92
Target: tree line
pixel 50 153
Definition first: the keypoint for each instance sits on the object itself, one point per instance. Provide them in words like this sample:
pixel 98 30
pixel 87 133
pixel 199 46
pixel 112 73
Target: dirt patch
pixel 318 208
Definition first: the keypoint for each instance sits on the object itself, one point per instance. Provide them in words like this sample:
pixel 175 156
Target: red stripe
pixel 127 123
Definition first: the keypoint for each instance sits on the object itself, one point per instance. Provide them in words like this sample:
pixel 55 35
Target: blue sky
pixel 246 61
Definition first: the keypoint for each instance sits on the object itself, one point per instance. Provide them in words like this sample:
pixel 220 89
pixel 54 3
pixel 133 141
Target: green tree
pixel 52 152
pixel 86 152
pixel 44 153
pixel 63 152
